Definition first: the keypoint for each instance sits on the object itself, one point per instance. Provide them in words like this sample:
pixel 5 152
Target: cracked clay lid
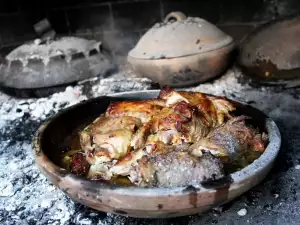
pixel 179 36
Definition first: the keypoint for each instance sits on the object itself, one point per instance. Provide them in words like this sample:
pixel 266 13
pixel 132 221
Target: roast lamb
pixel 180 138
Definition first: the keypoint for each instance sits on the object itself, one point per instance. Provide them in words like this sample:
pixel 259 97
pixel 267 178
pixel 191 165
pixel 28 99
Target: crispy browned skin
pixel 185 125
pixel 111 135
pixel 212 110
pixel 144 110
pixel 194 114
pixel 105 124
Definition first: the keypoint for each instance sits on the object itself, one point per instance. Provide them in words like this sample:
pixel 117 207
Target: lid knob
pixel 177 16
pixel 44 30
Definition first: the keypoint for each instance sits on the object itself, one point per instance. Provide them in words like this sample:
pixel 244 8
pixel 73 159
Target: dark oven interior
pixel 120 23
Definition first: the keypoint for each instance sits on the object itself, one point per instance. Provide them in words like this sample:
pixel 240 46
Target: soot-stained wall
pixel 120 23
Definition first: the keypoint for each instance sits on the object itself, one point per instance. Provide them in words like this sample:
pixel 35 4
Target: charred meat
pixel 176 168
pixel 79 164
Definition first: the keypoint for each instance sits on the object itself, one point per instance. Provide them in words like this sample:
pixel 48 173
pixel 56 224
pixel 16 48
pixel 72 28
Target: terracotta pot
pixel 271 54
pixel 181 51
pixel 55 135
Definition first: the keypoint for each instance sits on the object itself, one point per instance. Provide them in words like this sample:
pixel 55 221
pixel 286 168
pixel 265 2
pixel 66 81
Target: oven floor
pixel 26 197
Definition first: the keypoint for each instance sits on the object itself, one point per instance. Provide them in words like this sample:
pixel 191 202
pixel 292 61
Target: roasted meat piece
pixel 79 164
pixel 199 113
pixel 105 140
pixel 124 166
pixel 234 140
pixel 104 124
pixel 139 139
pixel 100 167
pixel 176 168
pixel 213 110
pixel 143 110
pixel 164 126
pixel 110 135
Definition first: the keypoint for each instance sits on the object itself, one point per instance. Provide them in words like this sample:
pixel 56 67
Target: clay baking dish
pixel 55 135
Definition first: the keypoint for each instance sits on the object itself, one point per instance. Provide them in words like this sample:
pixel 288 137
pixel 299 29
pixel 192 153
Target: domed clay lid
pixel 180 36
pixel 64 46
pixel 59 61
pixel 53 61
pixel 271 54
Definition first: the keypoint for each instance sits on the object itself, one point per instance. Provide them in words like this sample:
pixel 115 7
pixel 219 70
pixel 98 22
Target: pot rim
pixel 230 46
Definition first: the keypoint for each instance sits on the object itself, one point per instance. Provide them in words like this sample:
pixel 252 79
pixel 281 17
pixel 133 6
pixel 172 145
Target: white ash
pixel 122 81
pixel 6 189
pixel 113 219
pixel 28 197
pixel 297 167
pixel 276 195
pixel 228 83
pixel 40 109
pixel 4 97
pixel 112 85
pixel 82 221
pixel 242 212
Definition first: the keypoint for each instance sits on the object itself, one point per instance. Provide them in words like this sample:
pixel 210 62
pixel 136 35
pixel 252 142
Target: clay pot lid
pixel 270 55
pixel 65 47
pixel 180 36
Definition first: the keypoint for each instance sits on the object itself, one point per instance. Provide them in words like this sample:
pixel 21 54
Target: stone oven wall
pixel 120 23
